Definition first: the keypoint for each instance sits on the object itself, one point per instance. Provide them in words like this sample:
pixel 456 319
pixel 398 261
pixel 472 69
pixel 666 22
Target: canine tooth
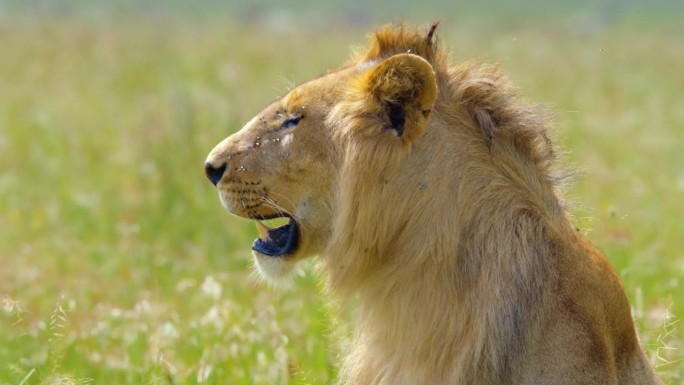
pixel 263 231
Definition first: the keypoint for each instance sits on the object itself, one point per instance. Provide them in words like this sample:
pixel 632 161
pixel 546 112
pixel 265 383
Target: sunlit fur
pixel 450 231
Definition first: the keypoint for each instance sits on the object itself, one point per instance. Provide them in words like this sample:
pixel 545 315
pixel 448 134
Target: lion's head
pixel 290 160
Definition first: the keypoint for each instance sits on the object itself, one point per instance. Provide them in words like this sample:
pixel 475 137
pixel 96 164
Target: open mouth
pixel 279 241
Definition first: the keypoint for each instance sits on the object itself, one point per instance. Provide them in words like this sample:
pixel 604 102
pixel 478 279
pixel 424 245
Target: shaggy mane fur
pixel 455 252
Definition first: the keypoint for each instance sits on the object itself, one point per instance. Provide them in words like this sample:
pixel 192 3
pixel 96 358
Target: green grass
pixel 118 264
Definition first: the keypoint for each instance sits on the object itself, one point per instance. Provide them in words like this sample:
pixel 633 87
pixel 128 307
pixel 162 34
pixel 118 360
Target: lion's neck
pixel 416 329
pixel 457 317
pixel 456 291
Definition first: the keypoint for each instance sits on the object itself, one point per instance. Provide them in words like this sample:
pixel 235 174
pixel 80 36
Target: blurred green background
pixel 118 264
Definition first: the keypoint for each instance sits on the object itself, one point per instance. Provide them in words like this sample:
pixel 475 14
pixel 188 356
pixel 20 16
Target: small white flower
pixel 9 305
pixel 168 332
pixel 184 284
pixel 214 318
pixel 211 288
pixel 203 372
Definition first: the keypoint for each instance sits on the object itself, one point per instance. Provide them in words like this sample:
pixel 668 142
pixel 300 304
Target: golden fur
pixel 429 193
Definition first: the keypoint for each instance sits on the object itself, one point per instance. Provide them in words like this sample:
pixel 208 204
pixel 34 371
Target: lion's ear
pixel 405 88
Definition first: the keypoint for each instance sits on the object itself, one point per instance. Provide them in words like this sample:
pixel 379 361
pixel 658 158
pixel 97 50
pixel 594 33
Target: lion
pixel 430 194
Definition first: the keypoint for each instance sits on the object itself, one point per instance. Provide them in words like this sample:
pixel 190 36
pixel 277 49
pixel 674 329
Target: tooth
pixel 263 231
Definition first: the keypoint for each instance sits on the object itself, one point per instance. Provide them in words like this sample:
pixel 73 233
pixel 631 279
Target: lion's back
pixel 587 334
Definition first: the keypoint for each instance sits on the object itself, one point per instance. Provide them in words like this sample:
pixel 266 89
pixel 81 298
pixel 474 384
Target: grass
pixel 120 266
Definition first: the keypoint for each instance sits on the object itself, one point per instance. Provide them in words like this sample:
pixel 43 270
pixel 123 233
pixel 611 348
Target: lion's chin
pixel 273 269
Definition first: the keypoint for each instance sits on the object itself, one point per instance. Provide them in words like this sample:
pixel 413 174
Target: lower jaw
pixel 273 269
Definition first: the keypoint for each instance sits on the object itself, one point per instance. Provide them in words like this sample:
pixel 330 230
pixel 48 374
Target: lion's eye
pixel 291 121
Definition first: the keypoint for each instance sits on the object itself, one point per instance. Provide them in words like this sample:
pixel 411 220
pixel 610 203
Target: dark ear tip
pixel 431 32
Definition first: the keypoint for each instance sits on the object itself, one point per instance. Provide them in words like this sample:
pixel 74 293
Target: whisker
pixel 270 203
pixel 274 205
pixel 279 209
pixel 288 83
pixel 284 198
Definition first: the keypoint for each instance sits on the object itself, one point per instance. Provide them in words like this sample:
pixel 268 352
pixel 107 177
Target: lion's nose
pixel 213 173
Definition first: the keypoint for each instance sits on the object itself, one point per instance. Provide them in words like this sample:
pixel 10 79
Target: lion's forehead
pixel 323 91
pixel 313 100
